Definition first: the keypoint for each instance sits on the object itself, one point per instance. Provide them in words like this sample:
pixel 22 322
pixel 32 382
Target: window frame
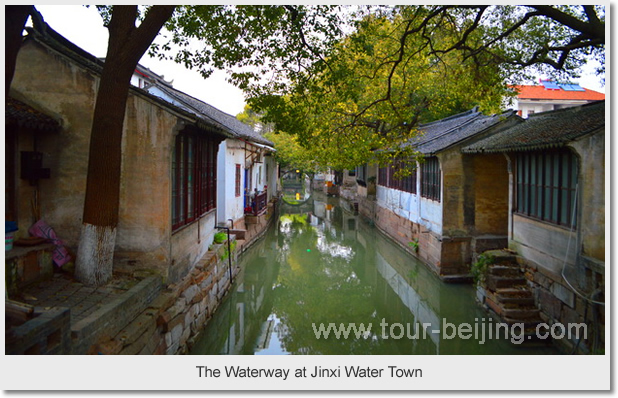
pixel 431 179
pixel 194 176
pixel 238 180
pixel 545 186
pixel 406 184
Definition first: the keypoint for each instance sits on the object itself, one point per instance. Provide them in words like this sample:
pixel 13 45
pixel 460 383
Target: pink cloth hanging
pixel 41 230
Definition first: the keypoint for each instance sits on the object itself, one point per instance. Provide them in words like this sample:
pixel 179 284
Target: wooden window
pixel 238 180
pixel 193 177
pixel 361 175
pixel 387 178
pixel 545 185
pixel 430 178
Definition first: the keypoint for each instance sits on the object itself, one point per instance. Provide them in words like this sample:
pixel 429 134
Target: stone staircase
pixel 507 294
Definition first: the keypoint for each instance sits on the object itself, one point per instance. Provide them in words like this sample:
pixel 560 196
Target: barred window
pixel 386 177
pixel 545 185
pixel 430 178
pixel 193 177
pixel 361 175
pixel 238 180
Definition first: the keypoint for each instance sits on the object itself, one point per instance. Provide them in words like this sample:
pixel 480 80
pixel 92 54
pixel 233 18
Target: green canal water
pixel 321 264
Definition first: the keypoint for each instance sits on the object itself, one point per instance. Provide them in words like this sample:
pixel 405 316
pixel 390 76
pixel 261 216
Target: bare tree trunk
pixel 14 20
pixel 127 44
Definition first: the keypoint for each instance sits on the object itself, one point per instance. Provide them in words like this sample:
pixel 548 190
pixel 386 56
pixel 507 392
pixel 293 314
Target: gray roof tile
pixel 442 134
pixel 545 130
pixel 229 122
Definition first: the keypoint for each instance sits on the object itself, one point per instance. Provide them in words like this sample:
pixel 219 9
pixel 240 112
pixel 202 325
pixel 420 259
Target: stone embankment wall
pixel 171 321
pixel 558 304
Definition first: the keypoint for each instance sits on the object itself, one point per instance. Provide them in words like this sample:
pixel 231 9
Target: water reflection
pixel 296 188
pixel 322 264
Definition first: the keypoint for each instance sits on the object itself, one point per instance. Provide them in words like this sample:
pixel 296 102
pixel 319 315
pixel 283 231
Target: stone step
pixel 521 313
pixel 523 291
pixel 520 301
pixel 496 282
pixel 504 270
pixel 529 324
pixel 515 296
pixel 112 317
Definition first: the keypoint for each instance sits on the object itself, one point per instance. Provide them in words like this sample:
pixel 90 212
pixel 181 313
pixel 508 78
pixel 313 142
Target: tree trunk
pixel 14 19
pixel 127 45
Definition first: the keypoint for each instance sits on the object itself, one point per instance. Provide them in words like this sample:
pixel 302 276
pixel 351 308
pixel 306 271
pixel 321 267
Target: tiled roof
pixel 540 93
pixel 235 126
pixel 442 134
pixel 16 112
pixel 545 130
pixel 204 115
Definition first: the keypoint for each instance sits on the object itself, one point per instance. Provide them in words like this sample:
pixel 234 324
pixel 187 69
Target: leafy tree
pixel 374 94
pixel 536 38
pixel 290 154
pixel 255 36
pixel 243 35
pixel 404 65
pixel 254 119
pixel 127 44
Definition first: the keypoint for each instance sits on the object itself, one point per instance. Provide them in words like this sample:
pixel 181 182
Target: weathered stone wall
pixel 189 245
pixel 591 152
pixel 559 304
pixel 48 333
pixel 405 231
pixel 65 91
pixel 144 227
pixel 490 195
pixel 173 320
pixel 62 88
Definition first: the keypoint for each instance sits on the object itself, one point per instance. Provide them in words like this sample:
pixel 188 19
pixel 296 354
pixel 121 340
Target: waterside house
pixel 247 174
pixel 550 96
pixel 556 209
pixel 169 202
pixel 452 205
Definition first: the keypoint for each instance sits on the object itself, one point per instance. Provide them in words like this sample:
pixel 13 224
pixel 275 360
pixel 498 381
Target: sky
pixel 84 27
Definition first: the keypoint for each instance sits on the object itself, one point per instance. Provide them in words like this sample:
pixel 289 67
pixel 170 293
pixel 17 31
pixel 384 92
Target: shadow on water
pixel 321 264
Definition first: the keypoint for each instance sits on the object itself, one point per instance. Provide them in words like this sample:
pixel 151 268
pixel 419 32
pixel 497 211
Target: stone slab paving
pixel 62 290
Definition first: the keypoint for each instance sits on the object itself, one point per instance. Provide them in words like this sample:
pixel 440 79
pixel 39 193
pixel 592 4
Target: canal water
pixel 320 264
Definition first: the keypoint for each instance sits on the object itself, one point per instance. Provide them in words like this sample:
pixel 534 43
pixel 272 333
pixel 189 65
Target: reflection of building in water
pixel 418 306
pixel 245 312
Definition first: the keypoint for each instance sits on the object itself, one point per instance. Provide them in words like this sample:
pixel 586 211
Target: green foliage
pixel 290 153
pixel 226 253
pixel 480 268
pixel 262 46
pixel 374 94
pixel 220 237
pixel 414 245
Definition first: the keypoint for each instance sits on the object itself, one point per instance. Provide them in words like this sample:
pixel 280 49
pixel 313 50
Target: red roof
pixel 540 92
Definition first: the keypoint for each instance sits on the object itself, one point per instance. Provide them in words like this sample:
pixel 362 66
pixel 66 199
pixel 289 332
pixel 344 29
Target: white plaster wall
pixel 431 215
pixel 539 107
pixel 412 207
pixel 155 91
pixel 228 205
pixel 272 180
pixel 546 244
